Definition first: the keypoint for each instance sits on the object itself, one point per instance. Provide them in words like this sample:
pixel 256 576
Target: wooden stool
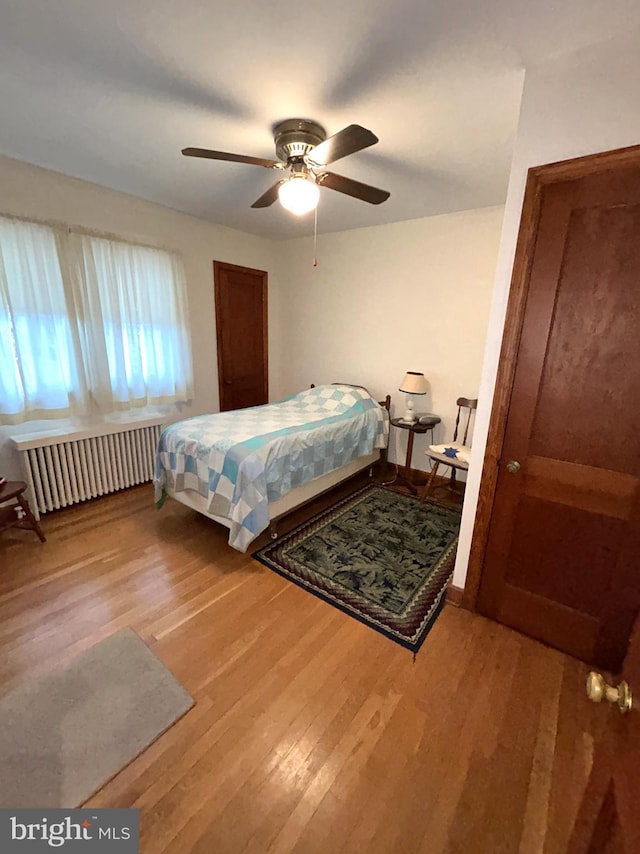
pixel 10 490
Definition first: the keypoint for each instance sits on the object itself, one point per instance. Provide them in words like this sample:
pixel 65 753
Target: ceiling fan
pixel 304 149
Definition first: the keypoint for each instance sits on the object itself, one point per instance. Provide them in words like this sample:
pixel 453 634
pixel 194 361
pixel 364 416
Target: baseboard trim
pixel 454 595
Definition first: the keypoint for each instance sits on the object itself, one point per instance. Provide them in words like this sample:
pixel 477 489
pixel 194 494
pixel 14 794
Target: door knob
pixel 513 466
pixel 598 689
pixel 228 382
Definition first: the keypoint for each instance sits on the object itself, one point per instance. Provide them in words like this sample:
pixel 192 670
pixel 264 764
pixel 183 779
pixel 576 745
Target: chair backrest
pixel 464 403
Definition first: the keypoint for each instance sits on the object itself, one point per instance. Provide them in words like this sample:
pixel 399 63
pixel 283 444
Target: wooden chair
pixel 466 408
pixel 11 491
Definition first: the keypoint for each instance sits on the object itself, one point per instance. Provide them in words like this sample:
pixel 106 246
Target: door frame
pixel 263 275
pixel 538 177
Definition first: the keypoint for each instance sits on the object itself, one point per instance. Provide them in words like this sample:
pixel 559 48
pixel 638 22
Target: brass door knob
pixel 598 689
pixel 513 466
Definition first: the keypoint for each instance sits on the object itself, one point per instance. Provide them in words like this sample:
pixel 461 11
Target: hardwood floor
pixel 311 732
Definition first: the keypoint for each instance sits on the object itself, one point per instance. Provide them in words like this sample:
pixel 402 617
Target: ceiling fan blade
pixel 347 141
pixel 349 187
pixel 234 158
pixel 268 198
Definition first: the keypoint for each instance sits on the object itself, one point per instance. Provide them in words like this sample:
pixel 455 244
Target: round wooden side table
pixel 414 427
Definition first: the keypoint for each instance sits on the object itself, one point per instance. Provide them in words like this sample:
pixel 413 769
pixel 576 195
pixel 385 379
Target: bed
pixel 247 468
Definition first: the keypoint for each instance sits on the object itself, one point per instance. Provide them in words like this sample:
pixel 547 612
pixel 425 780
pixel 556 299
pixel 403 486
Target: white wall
pixel 39 193
pixel 574 105
pixel 409 296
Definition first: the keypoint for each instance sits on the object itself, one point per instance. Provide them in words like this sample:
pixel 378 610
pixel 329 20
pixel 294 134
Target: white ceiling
pixel 112 91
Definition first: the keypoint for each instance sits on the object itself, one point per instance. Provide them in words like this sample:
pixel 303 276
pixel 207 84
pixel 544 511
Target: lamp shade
pixel 414 383
pixel 299 195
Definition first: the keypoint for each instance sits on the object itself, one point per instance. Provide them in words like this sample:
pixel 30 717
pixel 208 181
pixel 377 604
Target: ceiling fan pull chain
pixel 315 236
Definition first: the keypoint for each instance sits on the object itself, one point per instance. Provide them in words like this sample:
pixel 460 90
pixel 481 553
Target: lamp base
pixel 409 415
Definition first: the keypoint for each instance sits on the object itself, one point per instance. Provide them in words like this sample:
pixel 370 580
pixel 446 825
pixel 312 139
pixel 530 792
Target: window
pixel 88 324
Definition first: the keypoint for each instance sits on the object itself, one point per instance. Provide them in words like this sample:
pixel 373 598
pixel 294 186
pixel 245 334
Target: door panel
pixel 562 549
pixel 241 324
pixel 591 345
pixel 583 538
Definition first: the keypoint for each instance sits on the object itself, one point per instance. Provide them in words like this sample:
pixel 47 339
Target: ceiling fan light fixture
pixel 302 147
pixel 299 195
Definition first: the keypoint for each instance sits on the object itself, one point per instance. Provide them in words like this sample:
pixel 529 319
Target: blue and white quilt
pixel 241 460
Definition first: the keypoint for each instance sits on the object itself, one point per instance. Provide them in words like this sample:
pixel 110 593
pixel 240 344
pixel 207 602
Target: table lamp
pixel 413 383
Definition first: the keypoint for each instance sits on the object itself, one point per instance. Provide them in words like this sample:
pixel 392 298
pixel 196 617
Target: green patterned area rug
pixel 380 556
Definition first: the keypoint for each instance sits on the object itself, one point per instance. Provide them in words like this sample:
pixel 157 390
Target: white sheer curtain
pixel 38 375
pixel 132 315
pixel 88 324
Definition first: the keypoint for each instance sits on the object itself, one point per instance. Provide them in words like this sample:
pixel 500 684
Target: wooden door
pixel 608 821
pixel 241 326
pixel 562 559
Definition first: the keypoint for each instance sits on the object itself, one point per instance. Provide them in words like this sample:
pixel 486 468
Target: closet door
pixel 241 326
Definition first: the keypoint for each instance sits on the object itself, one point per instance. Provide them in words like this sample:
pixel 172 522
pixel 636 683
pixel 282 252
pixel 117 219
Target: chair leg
pixel 428 487
pixel 32 519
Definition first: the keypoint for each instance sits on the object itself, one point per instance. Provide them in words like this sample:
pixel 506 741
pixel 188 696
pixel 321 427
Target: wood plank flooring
pixel 311 732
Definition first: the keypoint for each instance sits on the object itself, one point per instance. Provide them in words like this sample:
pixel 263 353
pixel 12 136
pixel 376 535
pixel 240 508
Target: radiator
pixel 60 472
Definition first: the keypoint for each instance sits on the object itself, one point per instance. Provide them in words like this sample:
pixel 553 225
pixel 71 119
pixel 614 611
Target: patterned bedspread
pixel 241 460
